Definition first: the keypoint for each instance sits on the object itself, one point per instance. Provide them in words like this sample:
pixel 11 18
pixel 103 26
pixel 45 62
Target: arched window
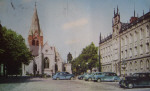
pixel 46 63
pixel 33 42
pixel 37 43
pixel 130 65
pixel 147 64
pixel 141 33
pixel 141 64
pixel 135 65
pixel 147 31
pixel 135 36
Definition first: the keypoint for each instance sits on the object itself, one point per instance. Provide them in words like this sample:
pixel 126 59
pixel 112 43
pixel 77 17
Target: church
pixel 46 60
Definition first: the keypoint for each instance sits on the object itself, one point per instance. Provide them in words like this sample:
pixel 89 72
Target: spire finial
pixel 117 9
pixel 35 4
pixel 100 38
pixel 134 12
pixel 143 12
pixel 114 11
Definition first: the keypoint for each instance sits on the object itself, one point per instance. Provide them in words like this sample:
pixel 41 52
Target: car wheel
pixel 90 79
pixel 130 85
pixel 115 80
pixel 57 79
pixel 81 78
pixel 121 86
pixel 71 78
pixel 98 80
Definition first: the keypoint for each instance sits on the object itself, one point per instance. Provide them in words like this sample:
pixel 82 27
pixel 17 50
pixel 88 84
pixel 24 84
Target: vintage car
pixel 97 76
pixel 106 76
pixel 80 77
pixel 136 80
pixel 63 76
pixel 89 76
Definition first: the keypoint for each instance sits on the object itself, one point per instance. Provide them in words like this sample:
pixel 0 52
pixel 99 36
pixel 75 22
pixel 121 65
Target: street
pixel 43 84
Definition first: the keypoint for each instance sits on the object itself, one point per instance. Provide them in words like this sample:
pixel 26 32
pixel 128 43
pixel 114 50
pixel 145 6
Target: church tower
pixel 35 36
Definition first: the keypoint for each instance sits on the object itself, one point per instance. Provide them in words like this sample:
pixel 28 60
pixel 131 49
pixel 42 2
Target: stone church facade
pixel 46 60
pixel 127 49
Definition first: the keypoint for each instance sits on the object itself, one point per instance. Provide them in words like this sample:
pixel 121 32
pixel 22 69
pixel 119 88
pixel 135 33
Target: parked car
pixel 136 80
pixel 106 76
pixel 63 76
pixel 89 76
pixel 97 76
pixel 80 77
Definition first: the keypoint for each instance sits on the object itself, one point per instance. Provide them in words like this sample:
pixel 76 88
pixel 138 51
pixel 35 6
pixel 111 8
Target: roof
pixel 126 26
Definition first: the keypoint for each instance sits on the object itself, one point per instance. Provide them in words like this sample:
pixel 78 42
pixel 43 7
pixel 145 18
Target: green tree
pixel 69 57
pixel 87 60
pixel 13 51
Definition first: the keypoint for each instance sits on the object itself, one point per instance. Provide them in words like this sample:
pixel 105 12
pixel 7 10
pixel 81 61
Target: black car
pixel 136 80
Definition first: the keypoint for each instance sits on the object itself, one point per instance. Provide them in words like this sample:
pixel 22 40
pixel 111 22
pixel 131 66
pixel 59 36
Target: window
pixel 135 36
pixel 33 42
pixel 141 64
pixel 130 39
pixel 141 49
pixel 147 64
pixel 46 63
pixel 125 40
pixel 130 52
pixel 147 31
pixel 46 50
pixel 130 65
pixel 135 65
pixel 141 33
pixel 37 43
pixel 135 51
pixel 147 47
pixel 126 53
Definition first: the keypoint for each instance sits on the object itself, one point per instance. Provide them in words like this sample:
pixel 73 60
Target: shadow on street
pixel 18 79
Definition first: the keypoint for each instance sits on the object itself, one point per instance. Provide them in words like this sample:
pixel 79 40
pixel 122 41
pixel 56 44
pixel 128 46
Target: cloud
pixel 74 24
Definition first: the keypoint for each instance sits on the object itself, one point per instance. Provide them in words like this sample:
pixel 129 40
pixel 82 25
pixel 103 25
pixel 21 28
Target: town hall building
pixel 127 49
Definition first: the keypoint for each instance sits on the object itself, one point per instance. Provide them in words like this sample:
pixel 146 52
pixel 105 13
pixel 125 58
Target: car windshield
pixel 135 75
pixel 67 73
pixel 113 74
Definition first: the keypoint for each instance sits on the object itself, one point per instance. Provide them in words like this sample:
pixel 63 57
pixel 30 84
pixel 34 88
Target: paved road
pixel 41 84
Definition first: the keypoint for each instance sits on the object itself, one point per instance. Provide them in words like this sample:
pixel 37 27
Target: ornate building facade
pixel 127 49
pixel 47 60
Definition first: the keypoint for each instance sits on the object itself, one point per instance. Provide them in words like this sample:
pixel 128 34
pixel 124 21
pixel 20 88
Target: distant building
pixel 47 60
pixel 127 49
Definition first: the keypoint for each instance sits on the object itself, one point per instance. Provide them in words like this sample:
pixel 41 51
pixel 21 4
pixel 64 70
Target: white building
pixel 127 49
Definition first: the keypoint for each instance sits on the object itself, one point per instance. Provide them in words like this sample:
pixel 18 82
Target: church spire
pixel 35 36
pixel 35 26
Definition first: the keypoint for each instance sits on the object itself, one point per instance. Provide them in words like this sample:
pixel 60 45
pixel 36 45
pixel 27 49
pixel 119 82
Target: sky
pixel 69 25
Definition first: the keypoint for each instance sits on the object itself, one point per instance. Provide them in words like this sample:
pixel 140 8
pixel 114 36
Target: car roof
pixel 142 73
pixel 109 72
